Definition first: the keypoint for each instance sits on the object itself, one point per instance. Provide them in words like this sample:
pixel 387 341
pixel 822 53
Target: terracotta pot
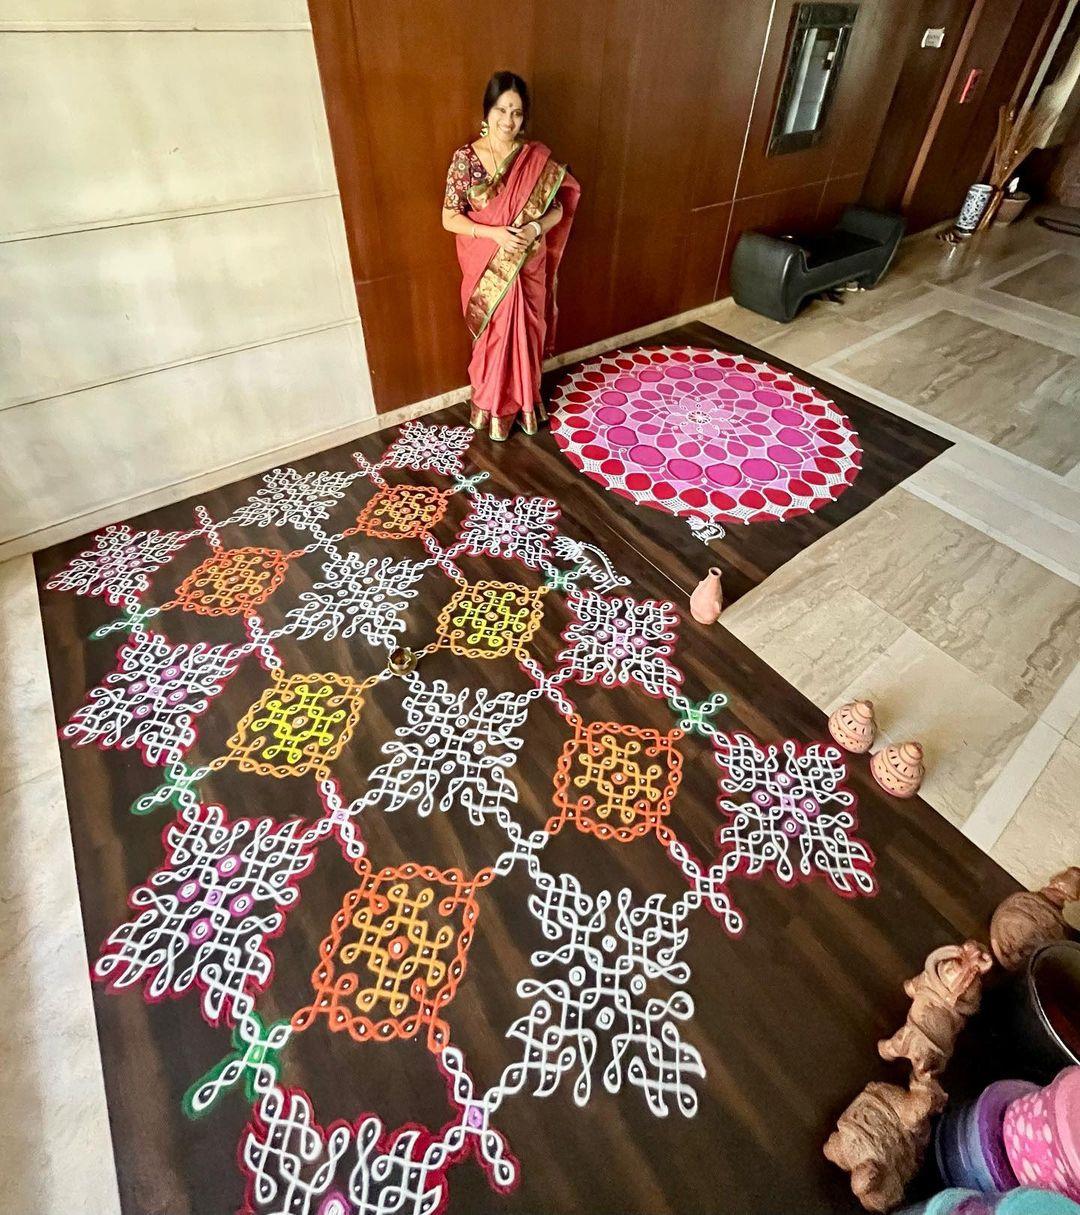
pixel 707 599
pixel 853 726
pixel 899 770
pixel 1010 207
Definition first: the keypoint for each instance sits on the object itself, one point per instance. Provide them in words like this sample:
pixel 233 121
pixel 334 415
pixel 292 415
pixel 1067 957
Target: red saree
pixel 509 298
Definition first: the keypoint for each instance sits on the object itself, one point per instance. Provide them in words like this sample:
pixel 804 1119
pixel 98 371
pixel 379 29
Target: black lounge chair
pixel 775 275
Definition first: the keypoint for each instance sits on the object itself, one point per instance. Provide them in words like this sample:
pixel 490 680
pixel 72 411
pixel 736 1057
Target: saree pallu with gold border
pixel 509 298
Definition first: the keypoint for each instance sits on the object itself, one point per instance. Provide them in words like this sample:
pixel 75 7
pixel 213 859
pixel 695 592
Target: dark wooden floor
pixel 786 1017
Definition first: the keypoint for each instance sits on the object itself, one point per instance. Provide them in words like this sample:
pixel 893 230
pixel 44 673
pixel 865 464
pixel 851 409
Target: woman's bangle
pixel 538 226
pixel 474 231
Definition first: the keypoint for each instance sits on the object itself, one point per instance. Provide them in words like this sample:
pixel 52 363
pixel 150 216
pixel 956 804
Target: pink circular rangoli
pixel 705 434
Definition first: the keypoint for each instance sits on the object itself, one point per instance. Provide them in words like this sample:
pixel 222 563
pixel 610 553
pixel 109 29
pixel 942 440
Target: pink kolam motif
pixel 711 436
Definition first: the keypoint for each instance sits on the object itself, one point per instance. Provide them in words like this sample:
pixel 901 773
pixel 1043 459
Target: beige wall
pixel 175 291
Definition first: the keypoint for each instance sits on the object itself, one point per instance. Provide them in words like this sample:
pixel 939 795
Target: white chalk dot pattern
pixel 606 1002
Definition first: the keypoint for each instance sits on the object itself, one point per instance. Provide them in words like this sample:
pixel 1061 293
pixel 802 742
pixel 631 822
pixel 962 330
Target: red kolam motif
pixel 711 436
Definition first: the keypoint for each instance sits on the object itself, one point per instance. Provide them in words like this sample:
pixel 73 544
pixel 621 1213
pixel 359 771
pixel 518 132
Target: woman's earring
pixel 483 129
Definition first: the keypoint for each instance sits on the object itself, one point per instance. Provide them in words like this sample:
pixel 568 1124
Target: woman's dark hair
pixel 504 82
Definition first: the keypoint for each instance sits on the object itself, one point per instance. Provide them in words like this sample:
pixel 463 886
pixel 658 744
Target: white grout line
pixel 1019 268
pixel 1064 706
pixel 929 422
pixel 995 810
pixel 911 314
pixel 951 461
pixel 1054 329
pixel 1010 319
pixel 1029 310
pixel 951 508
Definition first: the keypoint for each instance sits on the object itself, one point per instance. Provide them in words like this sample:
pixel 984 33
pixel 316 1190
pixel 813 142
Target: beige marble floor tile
pixel 1012 391
pixel 1044 834
pixel 53 1122
pixel 1000 476
pixel 55 1147
pixel 1054 283
pixel 818 332
pixel 812 628
pixel 1005 617
pixel 993 253
pixel 1053 543
pixel 967 728
pixel 28 744
pixel 40 909
pixel 877 307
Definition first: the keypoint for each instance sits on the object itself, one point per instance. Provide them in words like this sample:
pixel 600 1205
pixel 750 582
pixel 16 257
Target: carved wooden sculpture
pixel 943 996
pixel 880 1139
pixel 1027 920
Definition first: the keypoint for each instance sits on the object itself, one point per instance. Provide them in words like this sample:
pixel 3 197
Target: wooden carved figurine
pixel 707 598
pixel 881 1137
pixel 853 726
pixel 899 770
pixel 1026 920
pixel 943 996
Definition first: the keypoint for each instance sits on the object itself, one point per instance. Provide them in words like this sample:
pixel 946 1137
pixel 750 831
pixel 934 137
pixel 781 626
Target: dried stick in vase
pixel 943 996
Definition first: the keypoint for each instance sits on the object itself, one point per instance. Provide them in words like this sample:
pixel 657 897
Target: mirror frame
pixel 810 16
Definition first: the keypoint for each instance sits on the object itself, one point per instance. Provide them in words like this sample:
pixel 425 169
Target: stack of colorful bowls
pixel 1042 1135
pixel 969 1145
pixel 1013 1134
pixel 1016 1202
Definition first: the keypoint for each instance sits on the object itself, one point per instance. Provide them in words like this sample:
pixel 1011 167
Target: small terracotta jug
pixel 853 726
pixel 899 770
pixel 707 599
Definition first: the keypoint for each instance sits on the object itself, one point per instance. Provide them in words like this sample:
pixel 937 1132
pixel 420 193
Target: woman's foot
pixel 531 418
pixel 478 419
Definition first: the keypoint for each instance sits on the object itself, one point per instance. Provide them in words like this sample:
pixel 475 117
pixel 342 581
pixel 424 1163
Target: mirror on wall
pixel 819 37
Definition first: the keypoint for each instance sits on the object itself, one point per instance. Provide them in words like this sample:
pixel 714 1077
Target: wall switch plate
pixel 933 37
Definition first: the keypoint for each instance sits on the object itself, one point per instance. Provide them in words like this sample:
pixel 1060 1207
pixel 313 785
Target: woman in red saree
pixel 510 205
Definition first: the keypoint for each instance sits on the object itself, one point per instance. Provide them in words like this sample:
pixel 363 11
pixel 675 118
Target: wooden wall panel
pixel 703 254
pixel 914 97
pixel 838 193
pixel 652 114
pixel 664 87
pixel 871 65
pixel 1002 42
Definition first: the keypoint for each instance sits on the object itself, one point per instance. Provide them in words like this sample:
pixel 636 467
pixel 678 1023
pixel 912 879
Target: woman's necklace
pixel 495 160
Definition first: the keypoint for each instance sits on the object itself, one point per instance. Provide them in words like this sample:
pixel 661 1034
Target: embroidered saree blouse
pixel 466 171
